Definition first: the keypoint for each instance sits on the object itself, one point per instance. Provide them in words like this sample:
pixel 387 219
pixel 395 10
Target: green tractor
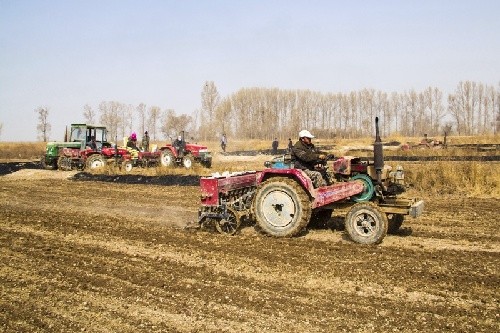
pixel 84 141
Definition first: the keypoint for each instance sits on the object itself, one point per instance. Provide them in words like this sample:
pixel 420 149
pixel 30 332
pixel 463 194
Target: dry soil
pixel 86 256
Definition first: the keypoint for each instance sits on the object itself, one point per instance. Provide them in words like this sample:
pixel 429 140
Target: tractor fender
pixel 296 174
pixel 171 148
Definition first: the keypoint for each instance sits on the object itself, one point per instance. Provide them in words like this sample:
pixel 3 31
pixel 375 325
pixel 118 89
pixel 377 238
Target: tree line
pixel 264 113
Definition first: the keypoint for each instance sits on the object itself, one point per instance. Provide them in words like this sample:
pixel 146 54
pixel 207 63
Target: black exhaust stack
pixel 378 154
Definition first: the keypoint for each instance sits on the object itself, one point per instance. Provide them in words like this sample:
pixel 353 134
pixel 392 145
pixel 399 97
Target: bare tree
pixel 223 115
pixel 455 110
pixel 125 114
pixel 110 117
pixel 210 99
pixel 153 120
pixel 463 107
pixel 89 114
pixel 168 124
pixel 43 127
pixel 193 126
pixel 434 109
pixel 173 124
pixel 141 111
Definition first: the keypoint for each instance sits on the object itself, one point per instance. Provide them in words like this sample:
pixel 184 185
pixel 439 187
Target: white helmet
pixel 305 134
pixel 179 138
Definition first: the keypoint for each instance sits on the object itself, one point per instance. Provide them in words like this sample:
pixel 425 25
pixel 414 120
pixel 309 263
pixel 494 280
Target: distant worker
pixel 309 159
pixel 290 145
pixel 145 141
pixel 179 146
pixel 275 145
pixel 223 142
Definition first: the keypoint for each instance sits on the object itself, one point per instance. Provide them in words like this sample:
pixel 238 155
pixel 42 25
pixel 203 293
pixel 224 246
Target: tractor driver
pixel 92 144
pixel 309 159
pixel 179 146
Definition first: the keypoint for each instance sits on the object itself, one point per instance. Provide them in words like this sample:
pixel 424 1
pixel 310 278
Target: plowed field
pixel 84 256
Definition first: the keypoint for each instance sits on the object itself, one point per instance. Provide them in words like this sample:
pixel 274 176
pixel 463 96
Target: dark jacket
pixel 305 156
pixel 179 143
pixel 132 144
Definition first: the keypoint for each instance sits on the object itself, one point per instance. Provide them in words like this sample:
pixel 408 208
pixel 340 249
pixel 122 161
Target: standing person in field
pixel 290 145
pixel 223 142
pixel 275 145
pixel 309 159
pixel 145 141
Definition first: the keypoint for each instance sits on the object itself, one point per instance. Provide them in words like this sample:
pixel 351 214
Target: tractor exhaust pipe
pixel 378 154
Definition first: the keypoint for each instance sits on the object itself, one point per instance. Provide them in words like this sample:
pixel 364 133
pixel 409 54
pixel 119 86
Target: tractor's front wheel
pixel 95 162
pixel 64 163
pixel 167 158
pixel 365 223
pixel 281 207
pixel 51 166
pixel 187 161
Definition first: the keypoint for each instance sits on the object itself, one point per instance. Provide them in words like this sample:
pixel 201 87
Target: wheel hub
pixel 278 208
pixel 229 224
pixel 365 225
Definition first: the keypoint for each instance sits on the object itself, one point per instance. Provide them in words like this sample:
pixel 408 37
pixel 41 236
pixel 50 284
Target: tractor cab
pixel 84 133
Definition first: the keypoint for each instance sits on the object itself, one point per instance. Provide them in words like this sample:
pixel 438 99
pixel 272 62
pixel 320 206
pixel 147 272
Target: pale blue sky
pixel 65 54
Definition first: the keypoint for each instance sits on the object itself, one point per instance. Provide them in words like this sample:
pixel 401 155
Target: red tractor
pixel 282 200
pixel 182 153
pixel 86 147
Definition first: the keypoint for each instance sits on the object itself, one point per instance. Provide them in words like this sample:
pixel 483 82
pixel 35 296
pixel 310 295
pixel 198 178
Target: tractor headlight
pixel 204 154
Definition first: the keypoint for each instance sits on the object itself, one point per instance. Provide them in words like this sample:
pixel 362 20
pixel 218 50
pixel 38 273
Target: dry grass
pixel 472 179
pixel 22 150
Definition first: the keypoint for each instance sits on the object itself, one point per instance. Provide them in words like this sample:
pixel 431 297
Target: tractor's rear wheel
pixel 365 223
pixel 95 162
pixel 64 163
pixel 230 224
pixel 51 166
pixel 395 222
pixel 187 161
pixel 167 158
pixel 281 207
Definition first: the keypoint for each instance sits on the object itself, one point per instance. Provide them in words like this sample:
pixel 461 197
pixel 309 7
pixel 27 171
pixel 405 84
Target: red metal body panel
pixel 336 192
pixel 149 154
pixel 212 186
pixel 209 191
pixel 110 152
pixel 292 173
pixel 192 148
pixel 71 152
